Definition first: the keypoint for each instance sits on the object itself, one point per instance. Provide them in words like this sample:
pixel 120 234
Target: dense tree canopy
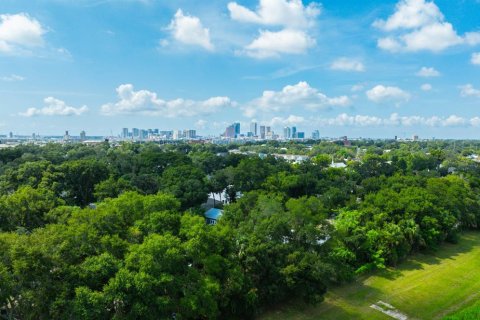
pixel 117 231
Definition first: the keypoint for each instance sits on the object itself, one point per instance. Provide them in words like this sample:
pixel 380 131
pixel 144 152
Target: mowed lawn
pixel 427 286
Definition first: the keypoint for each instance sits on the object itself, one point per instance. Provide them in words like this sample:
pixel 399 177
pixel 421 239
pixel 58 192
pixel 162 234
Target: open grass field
pixel 427 286
pixel 470 313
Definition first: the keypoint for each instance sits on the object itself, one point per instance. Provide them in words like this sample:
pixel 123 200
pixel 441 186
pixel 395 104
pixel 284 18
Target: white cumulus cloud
pixel 347 64
pixel 189 30
pixel 54 107
pixel 148 103
pixel 12 78
pixel 418 25
pixel 350 120
pixel 357 87
pixel 20 33
pixel 274 43
pixel 201 124
pixel 396 120
pixel 468 90
pixel 475 58
pixel 291 120
pixel 286 13
pixel 292 17
pixel 382 93
pixel 426 87
pixel 475 122
pixel 300 95
pixel 427 72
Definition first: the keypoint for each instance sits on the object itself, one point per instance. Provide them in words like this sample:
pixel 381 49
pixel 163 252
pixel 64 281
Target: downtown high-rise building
pixel 237 129
pixel 262 132
pixel 230 131
pixel 316 135
pixel 287 133
pixel 177 134
pixel 254 128
pixel 136 133
pixel 189 134
pixel 125 133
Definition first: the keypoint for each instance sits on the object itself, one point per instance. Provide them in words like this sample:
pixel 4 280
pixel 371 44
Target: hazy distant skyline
pixel 370 68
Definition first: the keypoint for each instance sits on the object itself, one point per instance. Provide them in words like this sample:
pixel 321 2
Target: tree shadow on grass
pixel 355 294
pixel 467 242
pixel 359 295
pixel 326 310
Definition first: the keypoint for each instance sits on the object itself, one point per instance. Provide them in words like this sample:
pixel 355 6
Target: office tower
pixel 415 138
pixel 136 133
pixel 269 129
pixel 230 131
pixel 83 135
pixel 166 134
pixel 262 132
pixel 300 135
pixel 177 134
pixel 143 134
pixel 269 135
pixel 294 132
pixel 237 129
pixel 287 133
pixel 190 134
pixel 316 135
pixel 254 128
pixel 125 133
pixel 10 135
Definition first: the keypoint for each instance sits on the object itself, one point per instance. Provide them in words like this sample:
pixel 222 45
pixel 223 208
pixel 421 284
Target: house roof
pixel 338 165
pixel 213 213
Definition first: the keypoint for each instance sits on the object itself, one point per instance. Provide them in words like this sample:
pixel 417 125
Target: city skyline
pixel 232 131
pixel 373 69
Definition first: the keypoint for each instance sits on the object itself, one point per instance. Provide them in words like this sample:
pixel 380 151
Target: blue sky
pixel 356 68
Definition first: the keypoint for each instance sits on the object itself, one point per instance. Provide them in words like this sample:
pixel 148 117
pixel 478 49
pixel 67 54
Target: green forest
pixel 117 231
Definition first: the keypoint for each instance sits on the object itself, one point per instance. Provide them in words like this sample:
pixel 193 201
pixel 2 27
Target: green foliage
pixel 85 233
pixel 470 313
pixel 187 183
pixel 80 178
pixel 27 208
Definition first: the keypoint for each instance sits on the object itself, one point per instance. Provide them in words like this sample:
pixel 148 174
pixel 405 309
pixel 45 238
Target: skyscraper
pixel 136 133
pixel 190 134
pixel 294 132
pixel 125 133
pixel 83 135
pixel 230 131
pixel 177 134
pixel 254 128
pixel 316 135
pixel 236 125
pixel 262 132
pixel 287 133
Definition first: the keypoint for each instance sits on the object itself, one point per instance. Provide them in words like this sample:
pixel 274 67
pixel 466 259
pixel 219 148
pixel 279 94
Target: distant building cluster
pixel 264 132
pixel 156 134
pixel 232 133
